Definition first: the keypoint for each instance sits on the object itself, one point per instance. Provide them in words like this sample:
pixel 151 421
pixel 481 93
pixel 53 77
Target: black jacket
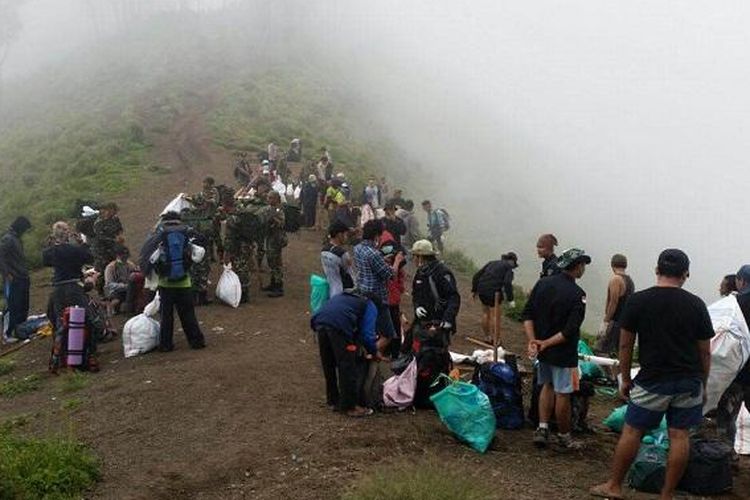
pixel 495 276
pixel 434 288
pixel 12 257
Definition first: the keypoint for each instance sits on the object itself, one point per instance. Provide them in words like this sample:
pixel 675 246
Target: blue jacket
pixel 352 315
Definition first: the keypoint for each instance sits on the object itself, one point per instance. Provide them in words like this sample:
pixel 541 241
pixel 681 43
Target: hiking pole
pixel 495 326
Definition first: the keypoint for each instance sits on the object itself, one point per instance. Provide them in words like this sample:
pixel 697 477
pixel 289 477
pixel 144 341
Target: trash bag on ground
pixel 229 288
pixel 501 382
pixel 742 438
pixel 467 412
pixel 648 469
pixel 589 370
pixel 399 390
pixel 139 335
pixel 319 290
pixel 709 468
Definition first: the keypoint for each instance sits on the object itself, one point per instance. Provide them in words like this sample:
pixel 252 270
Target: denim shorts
pixel 564 380
pixel 680 400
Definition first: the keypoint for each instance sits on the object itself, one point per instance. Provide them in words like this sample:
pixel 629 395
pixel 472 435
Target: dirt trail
pixel 245 418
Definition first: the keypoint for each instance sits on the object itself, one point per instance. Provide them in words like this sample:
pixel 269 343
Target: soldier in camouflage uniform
pixel 108 233
pixel 276 240
pixel 210 192
pixel 201 218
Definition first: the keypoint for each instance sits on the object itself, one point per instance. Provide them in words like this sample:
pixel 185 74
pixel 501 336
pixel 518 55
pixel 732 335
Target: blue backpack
pixel 501 382
pixel 175 256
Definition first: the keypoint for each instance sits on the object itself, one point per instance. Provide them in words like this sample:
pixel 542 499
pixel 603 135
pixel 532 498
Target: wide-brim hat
pixel 572 256
pixel 423 247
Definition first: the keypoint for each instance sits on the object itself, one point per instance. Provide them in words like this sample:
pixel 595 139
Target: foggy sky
pixel 619 126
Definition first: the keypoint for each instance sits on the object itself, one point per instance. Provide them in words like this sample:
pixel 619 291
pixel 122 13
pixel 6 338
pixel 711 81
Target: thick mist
pixel 618 126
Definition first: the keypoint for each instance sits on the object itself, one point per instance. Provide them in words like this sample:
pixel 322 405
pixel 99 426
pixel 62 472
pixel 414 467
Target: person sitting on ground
pixel 552 317
pixel 496 277
pixel 728 285
pixel 336 261
pixel 620 288
pixel 344 322
pixel 122 282
pixel 545 249
pixel 674 331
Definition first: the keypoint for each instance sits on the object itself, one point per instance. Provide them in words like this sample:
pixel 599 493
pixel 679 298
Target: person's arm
pixel 704 350
pixel 109 274
pixel 529 314
pixel 627 345
pixel 508 286
pixel 367 327
pixel 48 256
pixel 452 297
pixel 381 268
pixel 615 291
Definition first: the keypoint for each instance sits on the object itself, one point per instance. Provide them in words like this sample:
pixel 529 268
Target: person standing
pixel 342 324
pixel 406 214
pixel 620 288
pixel 108 233
pixel 175 287
pixel 15 274
pixel 393 224
pixel 545 249
pixel 371 194
pixel 276 240
pixel 674 332
pixel 495 277
pixel 435 225
pixel 552 317
pixel 309 196
pixel 336 261
pixel 434 290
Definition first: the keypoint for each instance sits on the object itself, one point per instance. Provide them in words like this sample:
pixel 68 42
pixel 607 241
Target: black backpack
pixel 709 469
pixel 433 358
pixel 175 259
pixel 292 218
pixel 501 382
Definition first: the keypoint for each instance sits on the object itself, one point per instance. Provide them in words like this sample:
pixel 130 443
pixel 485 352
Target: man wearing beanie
pixel 674 332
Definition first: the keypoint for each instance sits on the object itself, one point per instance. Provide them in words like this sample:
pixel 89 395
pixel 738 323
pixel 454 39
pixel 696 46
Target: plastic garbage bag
pixel 742 438
pixel 589 371
pixel 319 290
pixel 139 335
pixel 399 390
pixel 648 469
pixel 467 412
pixel 616 421
pixel 178 204
pixel 229 289
pixel 153 307
pixel 297 192
pixel 87 211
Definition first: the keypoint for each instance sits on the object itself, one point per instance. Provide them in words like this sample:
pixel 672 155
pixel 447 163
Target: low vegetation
pixel 417 482
pixel 17 386
pixel 6 367
pixel 73 382
pixel 45 468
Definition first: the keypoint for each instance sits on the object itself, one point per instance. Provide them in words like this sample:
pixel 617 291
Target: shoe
pixel 166 349
pixel 276 293
pixel 9 340
pixel 541 437
pixel 567 443
pixel 202 345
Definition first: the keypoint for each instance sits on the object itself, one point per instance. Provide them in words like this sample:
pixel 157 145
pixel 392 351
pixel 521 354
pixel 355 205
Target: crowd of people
pixel 374 252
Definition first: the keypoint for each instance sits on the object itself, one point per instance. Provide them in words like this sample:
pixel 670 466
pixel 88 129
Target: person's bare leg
pixel 546 403
pixel 627 449
pixel 679 452
pixel 486 321
pixel 562 412
pixel 497 318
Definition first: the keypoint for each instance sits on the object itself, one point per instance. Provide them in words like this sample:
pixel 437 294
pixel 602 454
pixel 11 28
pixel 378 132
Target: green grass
pixel 72 404
pixel 18 386
pixel 11 423
pixel 46 468
pixel 516 313
pixel 418 482
pixel 6 366
pixel 74 382
pixel 459 262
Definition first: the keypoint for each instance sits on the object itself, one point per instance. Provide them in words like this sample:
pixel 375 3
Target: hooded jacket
pixel 12 257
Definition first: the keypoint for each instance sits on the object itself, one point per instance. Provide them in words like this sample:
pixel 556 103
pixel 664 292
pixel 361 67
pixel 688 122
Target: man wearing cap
pixel 739 391
pixel 620 288
pixel 552 321
pixel 674 332
pixel 495 277
pixel 434 290
pixel 336 261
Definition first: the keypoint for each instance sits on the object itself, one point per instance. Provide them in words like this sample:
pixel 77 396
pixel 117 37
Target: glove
pixel 446 325
pixel 421 312
pixel 512 304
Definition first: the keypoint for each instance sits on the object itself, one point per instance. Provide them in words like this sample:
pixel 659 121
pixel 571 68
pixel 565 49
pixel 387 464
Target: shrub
pixel 459 262
pixel 6 367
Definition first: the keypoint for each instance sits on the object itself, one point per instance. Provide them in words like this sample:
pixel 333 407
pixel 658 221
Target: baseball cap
pixel 673 262
pixel 571 257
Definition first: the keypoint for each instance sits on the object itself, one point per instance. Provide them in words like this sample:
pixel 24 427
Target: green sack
pixel 616 421
pixel 589 371
pixel 648 469
pixel 466 411
pixel 318 292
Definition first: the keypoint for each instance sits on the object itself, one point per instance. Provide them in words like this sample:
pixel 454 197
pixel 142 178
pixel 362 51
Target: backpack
pixel 247 225
pixel 709 469
pixel 175 258
pixel 502 385
pixel 445 218
pixel 431 351
pixel 292 218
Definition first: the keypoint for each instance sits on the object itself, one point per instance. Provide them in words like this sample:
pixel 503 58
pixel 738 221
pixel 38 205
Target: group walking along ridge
pixel 680 367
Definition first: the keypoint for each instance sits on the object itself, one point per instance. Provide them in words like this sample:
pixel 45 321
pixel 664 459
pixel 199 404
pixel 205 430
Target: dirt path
pixel 245 418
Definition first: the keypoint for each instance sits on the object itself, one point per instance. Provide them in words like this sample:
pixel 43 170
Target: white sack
pixel 177 205
pixel 229 289
pixel 730 348
pixel 197 253
pixel 139 335
pixel 297 192
pixel 742 438
pixel 152 308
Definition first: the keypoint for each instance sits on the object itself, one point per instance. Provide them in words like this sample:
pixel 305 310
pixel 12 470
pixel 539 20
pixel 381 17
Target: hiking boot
pixel 565 442
pixel 541 437
pixel 276 292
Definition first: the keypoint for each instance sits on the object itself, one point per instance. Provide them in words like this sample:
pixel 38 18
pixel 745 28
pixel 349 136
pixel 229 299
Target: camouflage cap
pixel 571 257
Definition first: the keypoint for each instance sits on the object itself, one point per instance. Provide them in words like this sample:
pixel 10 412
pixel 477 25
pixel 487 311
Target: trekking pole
pixel 495 326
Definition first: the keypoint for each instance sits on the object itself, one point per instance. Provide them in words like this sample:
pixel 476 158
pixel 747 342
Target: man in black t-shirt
pixel 552 322
pixel 674 332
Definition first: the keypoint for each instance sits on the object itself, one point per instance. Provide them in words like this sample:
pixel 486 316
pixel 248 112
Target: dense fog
pixel 618 126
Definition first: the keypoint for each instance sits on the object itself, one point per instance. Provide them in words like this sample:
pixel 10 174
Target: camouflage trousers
pixel 243 263
pixel 729 408
pixel 275 264
pixel 199 272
